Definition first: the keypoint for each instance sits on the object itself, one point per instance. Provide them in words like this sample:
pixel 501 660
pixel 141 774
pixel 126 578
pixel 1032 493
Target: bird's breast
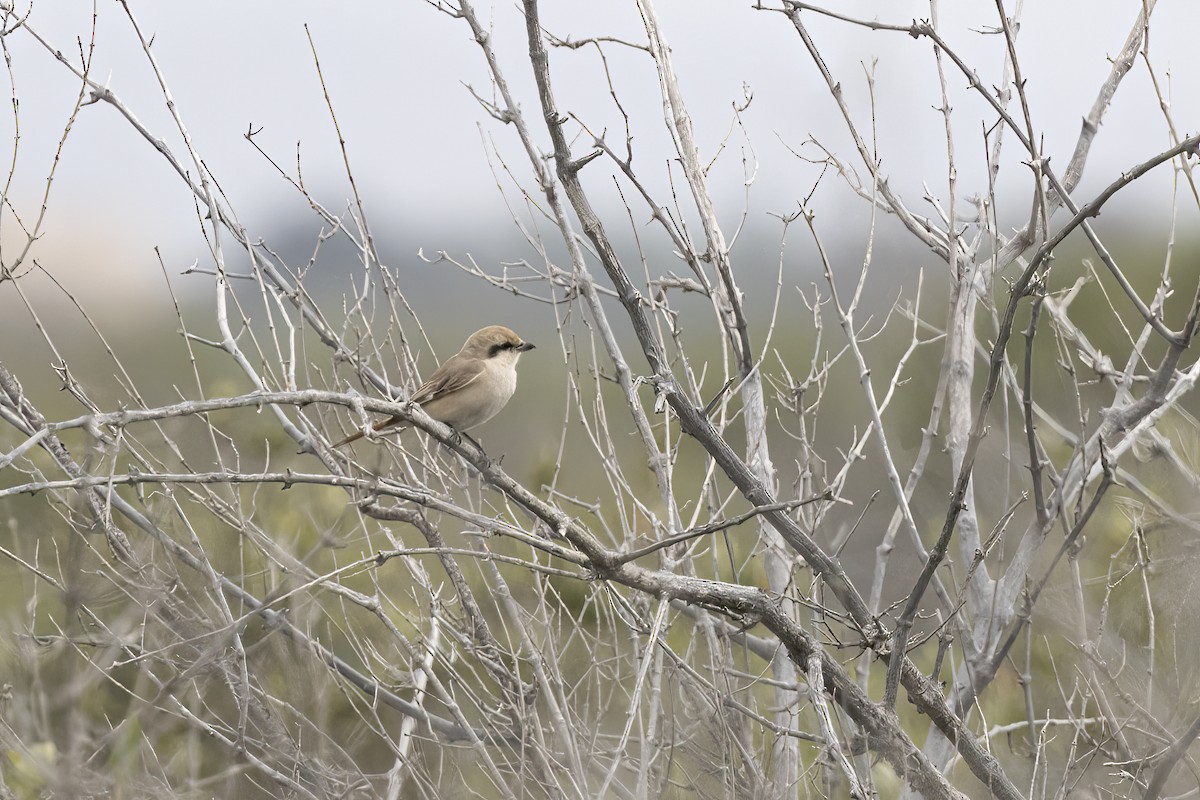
pixel 477 402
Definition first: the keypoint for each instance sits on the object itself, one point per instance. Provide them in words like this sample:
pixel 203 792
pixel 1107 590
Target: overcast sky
pixel 397 73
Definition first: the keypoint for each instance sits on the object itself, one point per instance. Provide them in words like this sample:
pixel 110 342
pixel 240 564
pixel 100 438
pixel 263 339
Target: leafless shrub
pixel 1001 605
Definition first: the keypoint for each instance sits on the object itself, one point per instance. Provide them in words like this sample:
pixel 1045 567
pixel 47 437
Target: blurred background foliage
pixel 59 665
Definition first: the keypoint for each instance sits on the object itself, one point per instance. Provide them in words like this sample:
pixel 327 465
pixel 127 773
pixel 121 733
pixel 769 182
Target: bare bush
pixel 791 539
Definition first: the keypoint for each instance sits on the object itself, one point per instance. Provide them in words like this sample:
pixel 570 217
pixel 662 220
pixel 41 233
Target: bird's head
pixel 495 342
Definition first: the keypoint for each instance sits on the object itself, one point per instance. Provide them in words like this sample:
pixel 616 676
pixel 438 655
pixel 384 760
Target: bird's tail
pixel 378 426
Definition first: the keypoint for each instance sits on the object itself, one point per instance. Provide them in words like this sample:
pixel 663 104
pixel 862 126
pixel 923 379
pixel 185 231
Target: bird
pixel 471 387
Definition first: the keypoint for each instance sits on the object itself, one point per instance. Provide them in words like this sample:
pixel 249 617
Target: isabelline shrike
pixel 472 386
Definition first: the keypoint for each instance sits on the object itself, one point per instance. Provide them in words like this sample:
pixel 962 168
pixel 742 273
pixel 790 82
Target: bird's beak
pixel 524 346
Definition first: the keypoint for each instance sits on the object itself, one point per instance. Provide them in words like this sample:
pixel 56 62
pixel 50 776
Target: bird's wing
pixel 456 373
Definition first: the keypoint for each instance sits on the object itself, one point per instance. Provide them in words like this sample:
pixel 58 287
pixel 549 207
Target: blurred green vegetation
pixel 75 678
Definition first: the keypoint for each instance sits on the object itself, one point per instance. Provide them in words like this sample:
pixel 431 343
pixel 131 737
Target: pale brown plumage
pixel 472 386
